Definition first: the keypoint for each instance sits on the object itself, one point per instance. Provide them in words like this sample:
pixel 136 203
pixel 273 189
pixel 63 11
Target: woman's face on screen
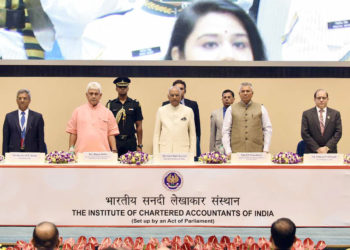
pixel 217 36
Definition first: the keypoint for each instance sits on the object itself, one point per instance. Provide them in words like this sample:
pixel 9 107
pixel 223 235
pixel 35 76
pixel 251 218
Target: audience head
pixel 283 234
pixel 215 30
pixel 46 236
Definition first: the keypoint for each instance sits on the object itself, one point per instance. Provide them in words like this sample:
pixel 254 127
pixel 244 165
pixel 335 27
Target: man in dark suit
pixel 23 129
pixel 321 127
pixel 194 106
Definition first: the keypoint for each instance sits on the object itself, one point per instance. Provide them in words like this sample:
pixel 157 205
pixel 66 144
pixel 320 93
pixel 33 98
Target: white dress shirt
pixel 227 127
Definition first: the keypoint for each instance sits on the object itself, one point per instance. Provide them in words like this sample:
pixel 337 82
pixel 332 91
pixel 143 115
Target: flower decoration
pixel 286 158
pixel 213 158
pixel 59 157
pixel 134 157
pixel 347 159
pixel 2 158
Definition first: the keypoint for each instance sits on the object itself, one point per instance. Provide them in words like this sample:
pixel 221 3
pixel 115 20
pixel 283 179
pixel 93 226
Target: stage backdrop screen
pixel 202 30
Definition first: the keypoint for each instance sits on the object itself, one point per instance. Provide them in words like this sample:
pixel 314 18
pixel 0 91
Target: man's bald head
pixel 283 233
pixel 45 236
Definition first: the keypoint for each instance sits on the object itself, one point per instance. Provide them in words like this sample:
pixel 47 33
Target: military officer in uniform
pixel 129 117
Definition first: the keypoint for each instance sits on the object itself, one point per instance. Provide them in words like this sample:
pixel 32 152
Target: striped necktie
pixel 23 131
pixel 321 121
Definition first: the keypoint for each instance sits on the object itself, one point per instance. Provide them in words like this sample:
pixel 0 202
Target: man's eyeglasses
pixel 321 98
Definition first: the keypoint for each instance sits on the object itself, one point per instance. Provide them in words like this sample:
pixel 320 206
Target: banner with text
pixel 174 197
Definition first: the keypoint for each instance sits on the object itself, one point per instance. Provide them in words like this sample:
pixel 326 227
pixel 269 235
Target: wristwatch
pixel 140 146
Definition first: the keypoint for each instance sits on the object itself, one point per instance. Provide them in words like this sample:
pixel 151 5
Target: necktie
pixel 321 121
pixel 23 131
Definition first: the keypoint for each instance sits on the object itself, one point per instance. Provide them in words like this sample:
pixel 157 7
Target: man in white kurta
pixel 174 130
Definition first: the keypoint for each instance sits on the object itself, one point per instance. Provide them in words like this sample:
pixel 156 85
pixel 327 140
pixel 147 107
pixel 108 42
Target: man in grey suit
pixel 321 127
pixel 216 119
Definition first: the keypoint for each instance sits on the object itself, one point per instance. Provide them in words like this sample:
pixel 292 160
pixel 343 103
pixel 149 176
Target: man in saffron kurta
pixel 92 127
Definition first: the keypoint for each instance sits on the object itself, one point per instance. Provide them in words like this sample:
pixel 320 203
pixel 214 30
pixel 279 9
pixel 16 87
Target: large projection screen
pixel 202 30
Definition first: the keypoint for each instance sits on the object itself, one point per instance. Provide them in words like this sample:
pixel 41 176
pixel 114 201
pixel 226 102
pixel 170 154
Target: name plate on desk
pixel 24 157
pixel 251 158
pixel 324 159
pixel 174 158
pixel 97 157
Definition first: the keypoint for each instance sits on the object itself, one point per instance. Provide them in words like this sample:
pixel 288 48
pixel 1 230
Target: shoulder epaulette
pixel 108 104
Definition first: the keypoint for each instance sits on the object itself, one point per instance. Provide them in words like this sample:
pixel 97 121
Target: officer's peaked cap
pixel 122 81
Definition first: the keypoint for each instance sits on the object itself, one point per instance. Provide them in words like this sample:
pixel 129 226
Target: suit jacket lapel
pixel 17 121
pixel 329 113
pixel 29 121
pixel 221 115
